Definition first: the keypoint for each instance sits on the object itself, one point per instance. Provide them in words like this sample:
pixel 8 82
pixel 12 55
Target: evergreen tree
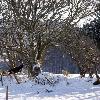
pixel 92 29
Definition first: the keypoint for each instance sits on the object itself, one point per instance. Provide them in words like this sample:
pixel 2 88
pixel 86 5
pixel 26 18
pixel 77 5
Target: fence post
pixel 7 93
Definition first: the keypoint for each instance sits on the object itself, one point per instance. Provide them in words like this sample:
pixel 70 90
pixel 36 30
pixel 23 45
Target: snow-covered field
pixel 57 87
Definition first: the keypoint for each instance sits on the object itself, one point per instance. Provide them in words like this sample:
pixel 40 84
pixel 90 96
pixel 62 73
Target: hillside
pixel 56 60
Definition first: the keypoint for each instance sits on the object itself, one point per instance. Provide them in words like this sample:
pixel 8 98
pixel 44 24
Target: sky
pixel 85 20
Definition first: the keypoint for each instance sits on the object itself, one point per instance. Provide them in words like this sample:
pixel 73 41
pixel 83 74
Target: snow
pixel 71 87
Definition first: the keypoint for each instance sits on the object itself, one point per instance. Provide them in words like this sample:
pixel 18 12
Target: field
pixel 49 86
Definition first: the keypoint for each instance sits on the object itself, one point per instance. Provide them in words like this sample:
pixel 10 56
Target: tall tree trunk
pixel 38 48
pixel 96 73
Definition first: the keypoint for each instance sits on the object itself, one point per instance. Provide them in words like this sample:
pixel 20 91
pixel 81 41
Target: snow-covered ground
pixel 51 87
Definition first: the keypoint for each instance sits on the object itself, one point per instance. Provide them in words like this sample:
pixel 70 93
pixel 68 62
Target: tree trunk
pixel 96 73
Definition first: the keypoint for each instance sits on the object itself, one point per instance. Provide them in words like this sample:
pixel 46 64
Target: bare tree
pixel 83 51
pixel 30 26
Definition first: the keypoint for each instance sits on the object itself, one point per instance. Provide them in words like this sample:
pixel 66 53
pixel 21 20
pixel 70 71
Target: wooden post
pixel 1 80
pixel 7 93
